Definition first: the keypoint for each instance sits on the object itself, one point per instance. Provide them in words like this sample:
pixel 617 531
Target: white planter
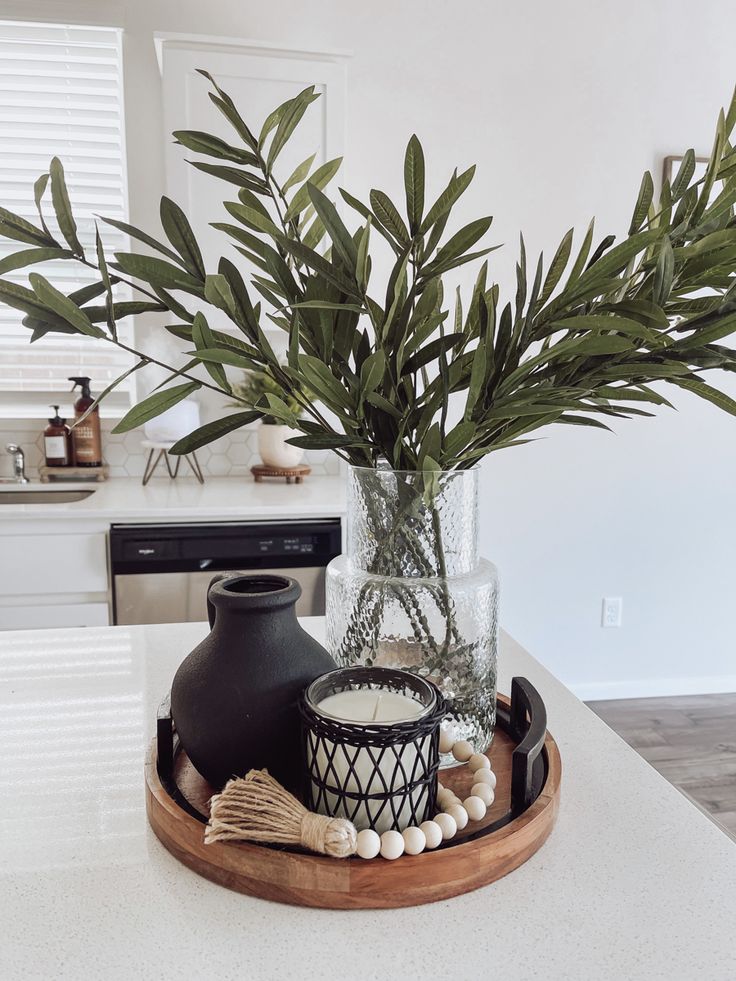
pixel 273 448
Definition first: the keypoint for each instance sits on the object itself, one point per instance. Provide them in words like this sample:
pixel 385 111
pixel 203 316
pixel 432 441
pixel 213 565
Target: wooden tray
pixel 518 823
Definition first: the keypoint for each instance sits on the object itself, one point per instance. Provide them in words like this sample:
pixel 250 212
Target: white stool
pixel 163 451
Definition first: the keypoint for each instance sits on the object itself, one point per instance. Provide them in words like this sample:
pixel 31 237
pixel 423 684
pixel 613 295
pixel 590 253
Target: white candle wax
pixel 370 705
pixel 354 768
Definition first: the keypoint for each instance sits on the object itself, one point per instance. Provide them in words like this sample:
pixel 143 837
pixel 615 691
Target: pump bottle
pixel 86 440
pixel 56 442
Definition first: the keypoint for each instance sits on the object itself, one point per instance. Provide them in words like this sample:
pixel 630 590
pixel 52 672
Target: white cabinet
pixel 46 615
pixel 53 564
pixel 53 580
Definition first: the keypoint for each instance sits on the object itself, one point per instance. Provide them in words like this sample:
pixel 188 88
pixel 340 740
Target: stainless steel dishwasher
pixel 160 572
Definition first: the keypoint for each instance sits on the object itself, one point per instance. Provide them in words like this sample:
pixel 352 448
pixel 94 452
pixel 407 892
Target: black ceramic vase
pixel 234 698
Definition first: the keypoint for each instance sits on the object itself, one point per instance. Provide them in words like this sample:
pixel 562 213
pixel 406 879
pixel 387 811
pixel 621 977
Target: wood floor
pixel 690 739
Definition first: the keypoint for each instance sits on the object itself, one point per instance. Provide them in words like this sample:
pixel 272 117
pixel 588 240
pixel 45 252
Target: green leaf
pixel 372 371
pixel 463 240
pixel 298 174
pixel 29 257
pixel 21 298
pixel 213 146
pixel 179 232
pixel 111 387
pixel 252 217
pixel 664 273
pixel 684 175
pixel 39 189
pixel 141 236
pixel 387 214
pixel 14 227
pixel 157 271
pixel 213 430
pixel 700 388
pixel 232 175
pixel 641 208
pixel 59 303
pixel 443 204
pixel 154 405
pixel 203 339
pixel 63 208
pixel 288 121
pixel 557 266
pixel 219 355
pixel 339 235
pixel 319 179
pixel 414 183
pixel 323 441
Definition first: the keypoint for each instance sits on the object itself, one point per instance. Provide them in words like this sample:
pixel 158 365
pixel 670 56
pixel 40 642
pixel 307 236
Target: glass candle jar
pixel 371 747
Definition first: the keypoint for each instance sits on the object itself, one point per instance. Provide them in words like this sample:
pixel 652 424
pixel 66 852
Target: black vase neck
pixel 254 594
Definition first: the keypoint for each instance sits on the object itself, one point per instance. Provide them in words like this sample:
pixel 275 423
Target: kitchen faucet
pixel 19 473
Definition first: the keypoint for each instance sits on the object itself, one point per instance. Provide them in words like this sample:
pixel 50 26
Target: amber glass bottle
pixel 86 441
pixel 56 442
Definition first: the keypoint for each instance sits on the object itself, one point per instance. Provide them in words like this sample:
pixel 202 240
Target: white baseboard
pixel 590 691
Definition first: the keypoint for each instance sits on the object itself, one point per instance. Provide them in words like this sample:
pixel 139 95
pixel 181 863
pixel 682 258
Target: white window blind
pixel 61 94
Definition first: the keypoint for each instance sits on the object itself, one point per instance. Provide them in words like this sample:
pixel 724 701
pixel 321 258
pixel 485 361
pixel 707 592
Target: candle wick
pixel 375 710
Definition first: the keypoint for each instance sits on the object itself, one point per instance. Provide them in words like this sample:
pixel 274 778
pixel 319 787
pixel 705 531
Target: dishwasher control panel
pixel 225 545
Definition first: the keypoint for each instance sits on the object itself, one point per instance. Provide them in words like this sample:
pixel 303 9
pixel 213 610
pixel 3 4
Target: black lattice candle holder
pixel 380 775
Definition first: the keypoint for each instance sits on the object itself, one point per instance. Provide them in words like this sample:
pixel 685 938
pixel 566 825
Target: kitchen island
pixel 634 882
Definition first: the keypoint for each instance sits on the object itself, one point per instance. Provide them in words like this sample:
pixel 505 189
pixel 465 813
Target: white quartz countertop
pixel 184 499
pixel 635 883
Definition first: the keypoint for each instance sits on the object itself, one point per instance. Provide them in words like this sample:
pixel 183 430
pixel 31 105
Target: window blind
pixel 61 94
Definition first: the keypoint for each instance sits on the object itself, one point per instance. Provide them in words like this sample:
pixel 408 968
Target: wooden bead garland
pixel 453 815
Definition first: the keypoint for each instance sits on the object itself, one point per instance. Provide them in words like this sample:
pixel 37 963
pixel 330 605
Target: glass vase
pixel 412 593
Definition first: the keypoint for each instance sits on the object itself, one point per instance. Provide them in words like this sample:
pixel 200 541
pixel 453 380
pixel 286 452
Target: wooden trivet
pixel 50 474
pixel 295 474
pixel 481 853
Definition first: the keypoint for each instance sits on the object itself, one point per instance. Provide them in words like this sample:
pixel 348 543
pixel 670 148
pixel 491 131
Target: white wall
pixel 562 105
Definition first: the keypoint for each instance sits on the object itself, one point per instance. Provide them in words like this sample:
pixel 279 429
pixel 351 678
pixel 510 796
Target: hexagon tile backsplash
pixel 230 456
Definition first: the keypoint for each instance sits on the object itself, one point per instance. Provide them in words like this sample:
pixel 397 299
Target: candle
pixel 372 755
pixel 370 705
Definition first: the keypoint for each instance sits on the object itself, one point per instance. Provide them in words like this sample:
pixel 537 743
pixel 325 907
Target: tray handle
pixel 528 723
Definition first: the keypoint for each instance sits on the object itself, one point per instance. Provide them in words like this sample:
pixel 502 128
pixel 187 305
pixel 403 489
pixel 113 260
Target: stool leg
pixel 175 471
pixel 149 470
pixel 194 464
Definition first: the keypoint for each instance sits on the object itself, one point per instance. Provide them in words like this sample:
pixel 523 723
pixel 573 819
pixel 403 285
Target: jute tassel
pixel 257 808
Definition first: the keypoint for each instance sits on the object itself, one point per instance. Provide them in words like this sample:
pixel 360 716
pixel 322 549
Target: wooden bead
pixel 443 796
pixel 475 807
pixel 449 803
pixel 462 751
pixel 432 833
pixel 483 791
pixel 392 845
pixel 485 776
pixel 447 825
pixel 447 739
pixel 414 840
pixel 459 815
pixel 369 843
pixel 479 761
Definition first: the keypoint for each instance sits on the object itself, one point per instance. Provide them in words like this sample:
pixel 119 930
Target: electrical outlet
pixel 611 614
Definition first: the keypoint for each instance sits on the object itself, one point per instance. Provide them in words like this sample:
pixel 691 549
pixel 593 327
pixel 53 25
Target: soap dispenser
pixel 86 440
pixel 56 441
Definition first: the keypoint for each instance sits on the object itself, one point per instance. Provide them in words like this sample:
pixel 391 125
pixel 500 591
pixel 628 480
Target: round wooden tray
pixel 478 855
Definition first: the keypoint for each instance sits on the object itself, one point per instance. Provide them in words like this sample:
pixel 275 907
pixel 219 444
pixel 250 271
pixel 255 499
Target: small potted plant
pixel 272 435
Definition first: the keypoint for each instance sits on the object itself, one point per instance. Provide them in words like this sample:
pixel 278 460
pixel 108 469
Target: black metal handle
pixel 528 722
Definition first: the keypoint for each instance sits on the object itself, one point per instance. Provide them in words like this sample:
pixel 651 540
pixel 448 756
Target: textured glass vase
pixel 411 592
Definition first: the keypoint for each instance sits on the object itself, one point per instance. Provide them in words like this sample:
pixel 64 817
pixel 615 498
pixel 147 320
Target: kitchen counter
pixel 184 499
pixel 635 883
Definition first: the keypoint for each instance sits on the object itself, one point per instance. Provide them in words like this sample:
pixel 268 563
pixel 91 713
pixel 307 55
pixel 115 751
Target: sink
pixel 47 495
